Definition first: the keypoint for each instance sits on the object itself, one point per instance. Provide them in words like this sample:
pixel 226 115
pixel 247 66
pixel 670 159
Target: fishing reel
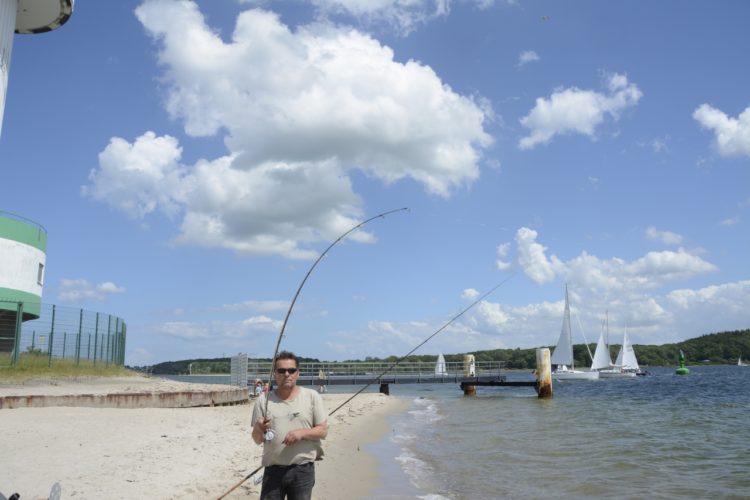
pixel 269 435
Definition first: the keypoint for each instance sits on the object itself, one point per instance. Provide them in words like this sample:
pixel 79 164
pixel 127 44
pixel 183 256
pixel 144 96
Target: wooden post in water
pixel 543 373
pixel 469 371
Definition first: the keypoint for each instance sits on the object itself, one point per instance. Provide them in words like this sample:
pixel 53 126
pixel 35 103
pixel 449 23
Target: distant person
pixel 298 421
pixel 258 389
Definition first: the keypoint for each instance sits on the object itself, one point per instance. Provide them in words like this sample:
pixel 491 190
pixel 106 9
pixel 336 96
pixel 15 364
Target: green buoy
pixel 682 370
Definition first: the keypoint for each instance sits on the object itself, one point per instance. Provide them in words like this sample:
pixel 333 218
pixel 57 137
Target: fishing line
pixel 391 367
pixel 299 289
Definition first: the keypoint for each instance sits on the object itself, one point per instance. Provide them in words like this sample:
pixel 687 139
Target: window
pixel 40 275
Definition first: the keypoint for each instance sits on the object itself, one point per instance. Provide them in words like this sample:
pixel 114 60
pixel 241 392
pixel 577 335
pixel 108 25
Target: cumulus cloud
pixel 532 257
pixel 299 110
pixel 77 290
pixel 527 56
pixel 470 294
pixel 732 135
pixel 666 237
pixel 139 177
pixel 576 111
pixel 652 270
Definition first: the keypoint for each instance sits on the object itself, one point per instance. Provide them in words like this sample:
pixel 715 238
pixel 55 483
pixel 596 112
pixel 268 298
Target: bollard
pixel 469 371
pixel 543 373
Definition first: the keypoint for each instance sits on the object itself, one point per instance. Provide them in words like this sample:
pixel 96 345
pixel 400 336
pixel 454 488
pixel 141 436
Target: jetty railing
pixel 366 369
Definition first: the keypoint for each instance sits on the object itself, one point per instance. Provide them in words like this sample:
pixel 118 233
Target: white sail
pixel 601 355
pixel 563 353
pixel 626 357
pixel 440 366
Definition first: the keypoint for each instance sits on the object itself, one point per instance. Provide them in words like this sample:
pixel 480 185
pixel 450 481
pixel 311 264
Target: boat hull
pixel 575 375
pixel 615 374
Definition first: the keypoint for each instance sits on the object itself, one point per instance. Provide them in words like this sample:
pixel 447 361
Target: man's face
pixel 286 379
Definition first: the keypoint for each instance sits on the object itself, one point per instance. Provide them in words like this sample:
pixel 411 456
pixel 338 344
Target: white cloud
pixel 527 56
pixel 402 15
pixel 262 323
pixel 470 294
pixel 258 305
pixel 650 271
pixel 730 221
pixel 732 135
pixel 502 252
pixel 139 177
pixel 222 332
pixel 666 237
pixel 730 297
pixel 298 110
pixel 76 290
pixel 532 258
pixel 573 110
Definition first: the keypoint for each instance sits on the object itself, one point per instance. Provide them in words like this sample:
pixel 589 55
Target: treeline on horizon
pixel 713 348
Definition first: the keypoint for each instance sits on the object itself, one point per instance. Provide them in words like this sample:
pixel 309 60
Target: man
pixel 297 418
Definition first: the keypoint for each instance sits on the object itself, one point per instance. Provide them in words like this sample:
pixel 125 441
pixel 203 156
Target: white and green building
pixel 23 255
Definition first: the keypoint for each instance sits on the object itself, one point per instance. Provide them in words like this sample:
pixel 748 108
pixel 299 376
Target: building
pixel 26 17
pixel 23 254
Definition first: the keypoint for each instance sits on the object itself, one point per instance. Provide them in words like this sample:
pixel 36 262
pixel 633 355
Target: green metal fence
pixel 60 333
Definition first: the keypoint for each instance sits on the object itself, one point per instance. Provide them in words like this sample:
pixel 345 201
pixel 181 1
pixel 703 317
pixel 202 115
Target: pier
pixel 467 374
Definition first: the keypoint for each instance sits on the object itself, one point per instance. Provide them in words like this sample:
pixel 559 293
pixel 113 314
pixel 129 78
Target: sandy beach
pixel 168 453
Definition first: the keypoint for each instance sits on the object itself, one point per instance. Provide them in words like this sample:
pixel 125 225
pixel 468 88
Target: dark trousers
pixel 293 482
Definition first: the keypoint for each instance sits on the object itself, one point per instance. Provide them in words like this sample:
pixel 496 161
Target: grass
pixel 36 365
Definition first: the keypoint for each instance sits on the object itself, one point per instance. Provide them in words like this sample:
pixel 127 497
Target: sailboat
pixel 603 363
pixel 440 366
pixel 563 365
pixel 740 363
pixel 626 357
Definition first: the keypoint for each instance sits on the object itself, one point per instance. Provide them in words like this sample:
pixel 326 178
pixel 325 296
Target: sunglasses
pixel 282 371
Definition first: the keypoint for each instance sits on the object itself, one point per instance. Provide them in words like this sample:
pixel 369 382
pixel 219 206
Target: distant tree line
pixel 203 366
pixel 714 348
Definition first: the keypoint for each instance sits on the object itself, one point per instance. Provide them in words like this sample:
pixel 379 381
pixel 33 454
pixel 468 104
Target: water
pixel 662 436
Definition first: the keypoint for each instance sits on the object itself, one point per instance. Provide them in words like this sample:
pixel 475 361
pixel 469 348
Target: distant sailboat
pixel 626 357
pixel 440 366
pixel 603 363
pixel 740 363
pixel 563 365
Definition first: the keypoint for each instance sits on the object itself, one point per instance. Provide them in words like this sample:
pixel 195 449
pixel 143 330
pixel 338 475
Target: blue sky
pixel 191 159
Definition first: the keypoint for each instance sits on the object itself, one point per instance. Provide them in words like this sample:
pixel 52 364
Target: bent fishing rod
pixel 269 434
pixel 294 301
pixel 391 367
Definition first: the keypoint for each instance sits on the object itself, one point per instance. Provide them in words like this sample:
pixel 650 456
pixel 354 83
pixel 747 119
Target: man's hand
pixel 294 436
pixel 259 428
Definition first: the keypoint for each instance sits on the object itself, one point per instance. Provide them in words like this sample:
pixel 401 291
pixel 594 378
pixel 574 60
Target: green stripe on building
pixel 10 298
pixel 23 231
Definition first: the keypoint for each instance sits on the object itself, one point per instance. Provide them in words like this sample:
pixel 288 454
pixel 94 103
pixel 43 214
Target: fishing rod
pixel 391 367
pixel 268 436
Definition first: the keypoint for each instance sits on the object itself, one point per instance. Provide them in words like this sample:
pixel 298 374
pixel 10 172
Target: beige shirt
pixel 304 411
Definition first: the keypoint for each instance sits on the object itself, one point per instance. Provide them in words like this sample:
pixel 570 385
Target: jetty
pixel 468 374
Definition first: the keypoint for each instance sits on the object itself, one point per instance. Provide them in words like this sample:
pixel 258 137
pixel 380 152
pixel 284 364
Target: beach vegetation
pixel 35 364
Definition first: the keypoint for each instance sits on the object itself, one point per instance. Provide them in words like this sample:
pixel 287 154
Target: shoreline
pixel 167 453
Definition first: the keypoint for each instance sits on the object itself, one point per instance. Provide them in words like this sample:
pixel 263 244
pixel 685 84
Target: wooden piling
pixel 543 373
pixel 469 371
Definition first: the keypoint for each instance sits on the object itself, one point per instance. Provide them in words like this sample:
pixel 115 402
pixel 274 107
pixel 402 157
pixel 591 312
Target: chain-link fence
pixel 51 333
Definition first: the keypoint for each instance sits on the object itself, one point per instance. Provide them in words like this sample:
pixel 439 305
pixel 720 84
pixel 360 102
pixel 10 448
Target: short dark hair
pixel 287 355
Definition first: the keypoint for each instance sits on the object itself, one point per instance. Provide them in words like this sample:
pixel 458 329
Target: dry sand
pixel 164 453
